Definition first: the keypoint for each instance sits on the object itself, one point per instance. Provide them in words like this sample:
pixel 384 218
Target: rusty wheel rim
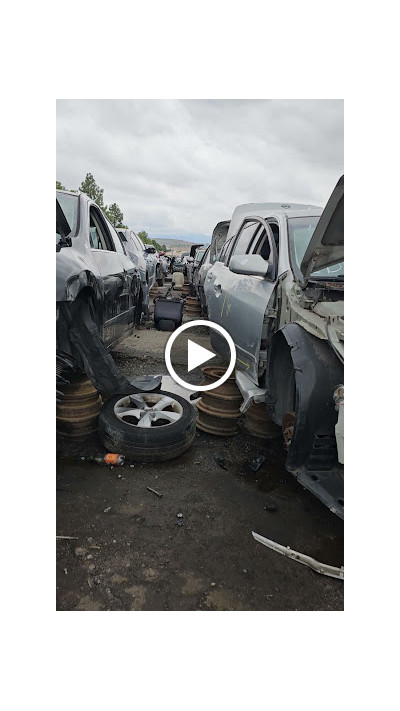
pixel 288 422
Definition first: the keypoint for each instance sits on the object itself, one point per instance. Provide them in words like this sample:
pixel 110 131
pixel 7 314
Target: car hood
pixel 327 243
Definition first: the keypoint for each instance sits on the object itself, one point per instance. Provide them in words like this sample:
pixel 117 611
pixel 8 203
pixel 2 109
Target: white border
pixel 191 324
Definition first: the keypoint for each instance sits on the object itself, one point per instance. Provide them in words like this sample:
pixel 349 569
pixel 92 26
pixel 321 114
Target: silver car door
pixel 245 300
pixel 212 283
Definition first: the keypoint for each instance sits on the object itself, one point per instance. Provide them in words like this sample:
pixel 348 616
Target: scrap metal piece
pixel 146 383
pixel 77 412
pixel 250 392
pixel 218 409
pixel 257 462
pixel 154 491
pixel 258 423
pixel 288 422
pixel 322 568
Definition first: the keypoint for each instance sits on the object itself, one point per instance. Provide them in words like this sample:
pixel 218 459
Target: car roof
pixel 264 209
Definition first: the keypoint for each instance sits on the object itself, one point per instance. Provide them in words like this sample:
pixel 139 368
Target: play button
pixel 197 355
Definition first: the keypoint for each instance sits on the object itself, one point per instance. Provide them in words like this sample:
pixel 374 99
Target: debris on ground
pixel 257 462
pixel 154 491
pixel 80 552
pixel 67 538
pixel 220 459
pixel 329 570
pixel 110 459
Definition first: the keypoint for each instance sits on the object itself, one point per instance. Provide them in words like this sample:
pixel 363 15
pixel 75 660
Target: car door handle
pixel 210 276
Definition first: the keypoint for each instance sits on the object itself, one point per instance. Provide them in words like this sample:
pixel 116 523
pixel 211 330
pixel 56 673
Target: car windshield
pixel 69 206
pixel 301 229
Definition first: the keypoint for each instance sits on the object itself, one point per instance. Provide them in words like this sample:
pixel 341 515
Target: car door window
pixel 244 237
pixel 135 242
pixel 116 239
pixel 263 244
pixel 99 236
pixel 226 251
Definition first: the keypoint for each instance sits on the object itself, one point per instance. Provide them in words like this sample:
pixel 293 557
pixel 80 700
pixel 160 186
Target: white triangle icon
pixel 197 355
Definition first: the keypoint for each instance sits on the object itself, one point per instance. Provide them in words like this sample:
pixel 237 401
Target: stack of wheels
pixel 186 289
pixel 193 307
pixel 218 409
pixel 77 413
pixel 258 423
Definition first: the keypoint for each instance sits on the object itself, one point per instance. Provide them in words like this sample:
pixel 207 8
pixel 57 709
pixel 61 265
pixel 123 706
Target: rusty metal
pixel 258 423
pixel 288 421
pixel 77 413
pixel 186 290
pixel 218 409
pixel 209 375
pixel 192 306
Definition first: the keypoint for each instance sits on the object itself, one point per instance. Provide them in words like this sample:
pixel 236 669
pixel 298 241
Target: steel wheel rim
pixel 148 410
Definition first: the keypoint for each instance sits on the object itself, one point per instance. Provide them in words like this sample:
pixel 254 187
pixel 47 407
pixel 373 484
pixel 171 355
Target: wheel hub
pixel 148 410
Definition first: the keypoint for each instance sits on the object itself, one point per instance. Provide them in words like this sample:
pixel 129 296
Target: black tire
pixel 156 444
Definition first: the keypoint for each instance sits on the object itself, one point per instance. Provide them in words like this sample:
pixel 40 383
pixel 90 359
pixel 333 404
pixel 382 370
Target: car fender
pixel 317 371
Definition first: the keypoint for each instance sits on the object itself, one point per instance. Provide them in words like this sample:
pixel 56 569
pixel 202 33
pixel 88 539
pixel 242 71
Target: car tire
pixel 147 444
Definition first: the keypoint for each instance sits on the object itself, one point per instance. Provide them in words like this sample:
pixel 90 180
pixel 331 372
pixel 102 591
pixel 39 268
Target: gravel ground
pixel 133 552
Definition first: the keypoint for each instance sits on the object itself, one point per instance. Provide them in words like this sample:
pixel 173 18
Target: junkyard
pixel 200 409
pixel 189 546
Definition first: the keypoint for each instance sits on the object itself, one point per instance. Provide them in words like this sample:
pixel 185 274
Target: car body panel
pixel 109 276
pixel 135 252
pixel 326 246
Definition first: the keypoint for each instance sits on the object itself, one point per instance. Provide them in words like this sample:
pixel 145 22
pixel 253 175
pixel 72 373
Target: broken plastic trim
pixel 322 568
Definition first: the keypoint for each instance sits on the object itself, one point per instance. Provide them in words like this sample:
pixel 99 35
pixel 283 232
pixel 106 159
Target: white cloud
pixel 177 168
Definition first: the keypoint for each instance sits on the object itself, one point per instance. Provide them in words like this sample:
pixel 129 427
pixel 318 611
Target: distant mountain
pixel 178 245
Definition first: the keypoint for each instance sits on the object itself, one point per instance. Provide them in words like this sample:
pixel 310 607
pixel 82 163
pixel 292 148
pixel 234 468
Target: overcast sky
pixel 176 168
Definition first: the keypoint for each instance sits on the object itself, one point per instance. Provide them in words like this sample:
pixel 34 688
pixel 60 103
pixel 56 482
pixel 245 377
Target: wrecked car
pixel 96 279
pixel 218 239
pixel 153 262
pixel 277 287
pixel 199 254
pixel 135 250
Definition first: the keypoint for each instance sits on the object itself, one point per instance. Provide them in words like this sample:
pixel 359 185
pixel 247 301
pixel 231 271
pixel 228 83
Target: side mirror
pixel 252 265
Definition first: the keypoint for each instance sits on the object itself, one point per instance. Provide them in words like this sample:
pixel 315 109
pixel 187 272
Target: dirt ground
pixel 132 552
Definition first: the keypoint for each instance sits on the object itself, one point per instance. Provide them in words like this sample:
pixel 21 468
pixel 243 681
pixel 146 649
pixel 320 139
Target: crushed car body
pixel 97 292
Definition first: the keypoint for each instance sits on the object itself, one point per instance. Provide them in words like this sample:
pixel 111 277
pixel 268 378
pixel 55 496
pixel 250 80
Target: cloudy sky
pixel 176 168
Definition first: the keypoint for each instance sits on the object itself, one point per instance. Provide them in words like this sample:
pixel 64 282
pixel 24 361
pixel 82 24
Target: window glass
pixel 99 238
pixel 301 230
pixel 223 257
pixel 245 236
pixel 262 246
pixel 135 242
pixel 69 206
pixel 96 236
pixel 115 238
